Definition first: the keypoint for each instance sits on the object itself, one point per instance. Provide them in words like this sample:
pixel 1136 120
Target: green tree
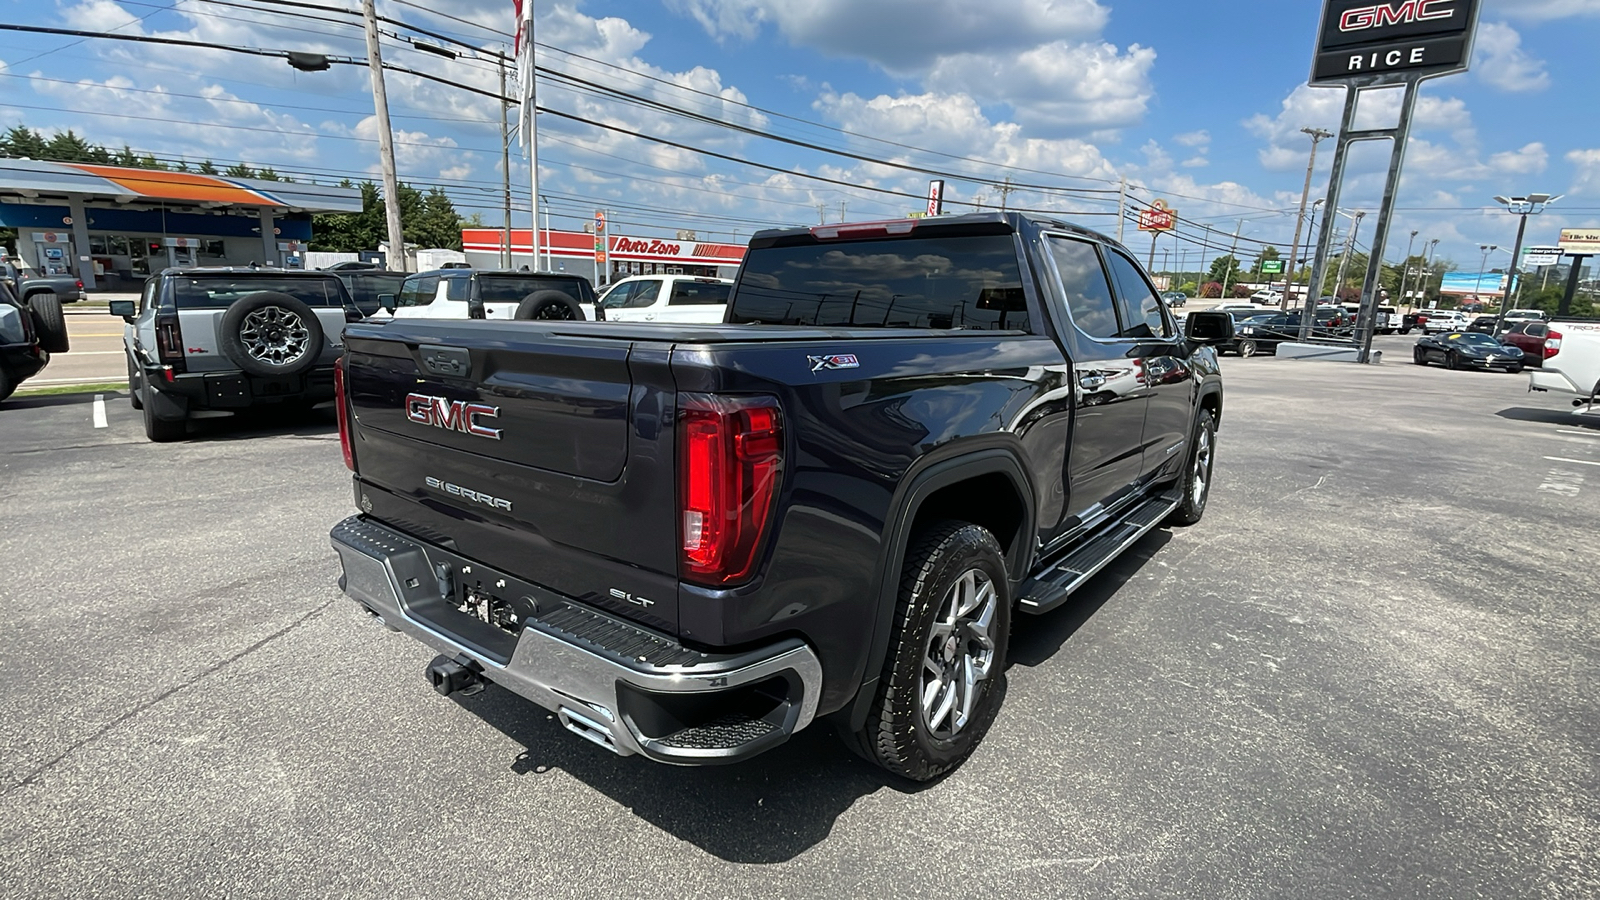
pixel 437 225
pixel 239 170
pixel 269 174
pixel 207 168
pixel 67 146
pixel 1224 267
pixel 21 142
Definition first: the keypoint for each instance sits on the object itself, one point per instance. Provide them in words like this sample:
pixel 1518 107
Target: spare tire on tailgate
pixel 549 305
pixel 270 334
pixel 48 322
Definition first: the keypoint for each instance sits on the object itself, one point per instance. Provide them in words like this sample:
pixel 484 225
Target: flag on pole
pixel 524 57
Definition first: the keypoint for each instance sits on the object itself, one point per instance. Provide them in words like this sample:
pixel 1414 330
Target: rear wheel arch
pixel 953 482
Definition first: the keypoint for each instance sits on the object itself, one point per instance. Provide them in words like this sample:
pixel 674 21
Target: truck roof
pixel 975 223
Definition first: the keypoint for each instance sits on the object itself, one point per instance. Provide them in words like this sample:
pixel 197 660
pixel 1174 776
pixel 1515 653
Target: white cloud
pixel 1057 87
pixel 1543 10
pixel 1586 180
pixel 1194 138
pixel 904 35
pixel 1501 62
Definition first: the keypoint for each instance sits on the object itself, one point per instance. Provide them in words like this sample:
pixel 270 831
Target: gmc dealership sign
pixel 1393 37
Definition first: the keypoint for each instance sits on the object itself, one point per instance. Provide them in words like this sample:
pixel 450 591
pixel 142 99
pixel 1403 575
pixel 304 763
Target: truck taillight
pixel 730 463
pixel 1552 344
pixel 169 340
pixel 341 403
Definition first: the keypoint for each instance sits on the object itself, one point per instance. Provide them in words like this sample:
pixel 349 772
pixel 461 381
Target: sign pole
pixel 1380 240
pixel 1572 283
pixel 1330 216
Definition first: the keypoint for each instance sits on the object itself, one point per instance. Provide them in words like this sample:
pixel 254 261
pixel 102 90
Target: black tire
pixel 549 306
pixel 48 321
pixel 1452 361
pixel 1515 370
pixel 8 385
pixel 1197 470
pixel 270 335
pixel 897 735
pixel 134 385
pixel 1419 357
pixel 1248 349
pixel 162 431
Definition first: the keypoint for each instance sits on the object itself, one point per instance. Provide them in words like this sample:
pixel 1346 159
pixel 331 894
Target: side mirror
pixel 1209 327
pixel 386 301
pixel 124 309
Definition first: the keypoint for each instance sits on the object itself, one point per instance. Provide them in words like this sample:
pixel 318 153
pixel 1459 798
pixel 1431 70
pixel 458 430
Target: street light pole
pixel 1477 289
pixel 391 183
pixel 1523 207
pixel 1317 136
pixel 1405 265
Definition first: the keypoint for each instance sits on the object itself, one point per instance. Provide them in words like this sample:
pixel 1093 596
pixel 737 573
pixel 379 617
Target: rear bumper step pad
pixel 626 688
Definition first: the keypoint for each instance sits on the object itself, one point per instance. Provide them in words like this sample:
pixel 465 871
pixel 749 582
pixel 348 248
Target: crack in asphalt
pixel 212 669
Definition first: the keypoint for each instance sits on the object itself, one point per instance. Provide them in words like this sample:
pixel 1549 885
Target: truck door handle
pixel 1091 382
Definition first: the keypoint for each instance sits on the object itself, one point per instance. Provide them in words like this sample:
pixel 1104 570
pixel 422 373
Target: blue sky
pixel 1197 103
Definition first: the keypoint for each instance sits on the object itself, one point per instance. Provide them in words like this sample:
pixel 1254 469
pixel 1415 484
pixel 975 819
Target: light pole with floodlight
pixel 1533 204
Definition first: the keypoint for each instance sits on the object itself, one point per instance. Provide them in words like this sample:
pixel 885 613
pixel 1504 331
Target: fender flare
pixel 996 454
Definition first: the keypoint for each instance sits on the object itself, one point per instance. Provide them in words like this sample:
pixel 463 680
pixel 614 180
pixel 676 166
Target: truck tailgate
pixel 546 456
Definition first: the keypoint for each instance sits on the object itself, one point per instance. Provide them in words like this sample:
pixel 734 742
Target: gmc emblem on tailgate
pixel 452 415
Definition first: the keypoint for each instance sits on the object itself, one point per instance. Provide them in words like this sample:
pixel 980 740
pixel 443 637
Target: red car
pixel 1530 338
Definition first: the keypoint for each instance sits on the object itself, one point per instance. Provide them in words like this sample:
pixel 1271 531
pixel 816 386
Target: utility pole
pixel 841 211
pixel 822 213
pixel 505 169
pixel 1005 191
pixel 1122 210
pixel 1317 137
pixel 391 183
pixel 546 236
pixel 1227 271
pixel 1405 266
pixel 1200 279
pixel 528 94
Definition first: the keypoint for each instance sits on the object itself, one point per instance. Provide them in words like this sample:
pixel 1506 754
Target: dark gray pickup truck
pixel 689 542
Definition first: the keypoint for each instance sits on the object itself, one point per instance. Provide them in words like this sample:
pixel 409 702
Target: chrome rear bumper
pixel 623 687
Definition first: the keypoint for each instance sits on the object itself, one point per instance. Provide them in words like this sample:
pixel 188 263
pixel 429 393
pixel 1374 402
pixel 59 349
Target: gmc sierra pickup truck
pixel 691 541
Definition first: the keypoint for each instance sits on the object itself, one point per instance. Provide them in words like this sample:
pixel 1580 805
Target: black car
pixel 1483 325
pixel 1263 334
pixel 1467 349
pixel 29 333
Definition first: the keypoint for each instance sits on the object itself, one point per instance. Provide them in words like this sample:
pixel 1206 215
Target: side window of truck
pixel 1083 283
pixel 1136 299
pixel 418 291
pixel 644 294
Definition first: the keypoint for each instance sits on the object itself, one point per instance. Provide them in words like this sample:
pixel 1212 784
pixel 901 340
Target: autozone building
pixel 112 226
pixel 573 251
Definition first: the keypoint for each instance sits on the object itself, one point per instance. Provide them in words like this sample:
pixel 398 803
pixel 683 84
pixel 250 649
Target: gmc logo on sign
pixel 452 415
pixel 1385 14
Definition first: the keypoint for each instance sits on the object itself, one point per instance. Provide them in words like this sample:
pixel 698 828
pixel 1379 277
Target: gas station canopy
pixel 107 222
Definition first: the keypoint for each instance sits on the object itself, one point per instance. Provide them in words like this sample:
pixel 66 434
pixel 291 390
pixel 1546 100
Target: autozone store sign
pixel 569 244
pixel 1365 38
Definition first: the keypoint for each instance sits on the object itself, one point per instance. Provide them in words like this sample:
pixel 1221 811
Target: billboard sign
pixel 1362 38
pixel 1159 217
pixel 936 197
pixel 1580 241
pixel 1537 257
pixel 1272 267
pixel 600 244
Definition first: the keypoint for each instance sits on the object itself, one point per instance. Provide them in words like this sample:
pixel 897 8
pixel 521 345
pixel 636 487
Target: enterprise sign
pixel 1364 38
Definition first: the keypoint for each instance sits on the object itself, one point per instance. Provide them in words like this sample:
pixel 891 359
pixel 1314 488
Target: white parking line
pixel 1581 462
pixel 99 410
pixel 1588 434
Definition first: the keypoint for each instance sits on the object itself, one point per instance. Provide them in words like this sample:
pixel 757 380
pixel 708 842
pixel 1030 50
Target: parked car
pixel 219 341
pixel 1263 334
pixel 1531 336
pixel 690 542
pixel 1467 350
pixel 1440 321
pixel 66 288
pixel 1527 315
pixel 664 298
pixel 465 293
pixel 1268 297
pixel 29 333
pixel 1571 360
pixel 1175 299
pixel 1483 324
pixel 368 284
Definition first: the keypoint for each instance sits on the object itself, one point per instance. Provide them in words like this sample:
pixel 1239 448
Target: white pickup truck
pixel 1574 367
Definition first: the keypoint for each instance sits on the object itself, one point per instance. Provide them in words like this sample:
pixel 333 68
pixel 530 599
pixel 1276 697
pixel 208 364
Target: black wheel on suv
pixel 550 305
pixel 159 430
pixel 48 321
pixel 1196 481
pixel 944 679
pixel 7 385
pixel 270 334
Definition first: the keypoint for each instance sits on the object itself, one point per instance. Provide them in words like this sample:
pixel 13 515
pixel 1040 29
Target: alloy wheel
pixel 960 654
pixel 275 336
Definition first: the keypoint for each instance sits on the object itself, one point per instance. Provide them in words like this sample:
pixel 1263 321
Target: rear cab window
pixel 222 291
pixel 1084 284
pixel 944 282
pixel 699 293
pixel 516 288
pixel 418 290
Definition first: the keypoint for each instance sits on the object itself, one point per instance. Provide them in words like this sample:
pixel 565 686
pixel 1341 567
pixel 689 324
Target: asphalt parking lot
pixel 1371 671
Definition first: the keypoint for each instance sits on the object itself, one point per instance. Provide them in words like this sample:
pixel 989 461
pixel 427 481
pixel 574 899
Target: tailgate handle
pixel 451 362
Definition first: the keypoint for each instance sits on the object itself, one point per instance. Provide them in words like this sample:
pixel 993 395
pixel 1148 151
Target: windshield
pixel 220 291
pixel 1475 339
pixel 944 282
pixel 516 288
